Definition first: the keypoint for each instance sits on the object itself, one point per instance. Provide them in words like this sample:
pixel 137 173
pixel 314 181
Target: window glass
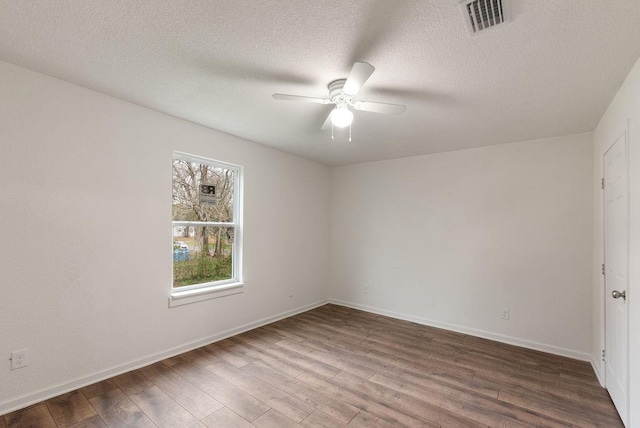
pixel 205 212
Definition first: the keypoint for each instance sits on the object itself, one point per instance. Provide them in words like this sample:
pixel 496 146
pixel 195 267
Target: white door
pixel 616 232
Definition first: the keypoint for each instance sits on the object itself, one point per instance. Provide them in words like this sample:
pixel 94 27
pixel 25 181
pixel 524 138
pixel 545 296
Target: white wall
pixel 626 105
pixel 85 215
pixel 451 239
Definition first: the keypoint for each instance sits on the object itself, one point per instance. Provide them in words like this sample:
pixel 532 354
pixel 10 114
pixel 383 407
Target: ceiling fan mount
pixel 335 92
pixel 342 93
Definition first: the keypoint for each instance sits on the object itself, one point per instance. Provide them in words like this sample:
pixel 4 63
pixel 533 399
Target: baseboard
pixel 50 392
pixel 472 331
pixel 596 369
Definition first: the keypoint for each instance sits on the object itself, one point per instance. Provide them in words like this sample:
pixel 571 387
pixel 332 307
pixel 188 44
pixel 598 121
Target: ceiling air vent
pixel 483 14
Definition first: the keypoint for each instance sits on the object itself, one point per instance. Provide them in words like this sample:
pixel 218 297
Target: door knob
pixel 617 294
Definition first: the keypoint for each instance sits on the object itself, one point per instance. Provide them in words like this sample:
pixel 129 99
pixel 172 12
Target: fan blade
pixel 299 98
pixel 327 123
pixel 360 72
pixel 383 108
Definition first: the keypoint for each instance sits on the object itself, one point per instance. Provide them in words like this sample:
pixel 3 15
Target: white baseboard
pixel 53 391
pixel 583 356
pixel 596 368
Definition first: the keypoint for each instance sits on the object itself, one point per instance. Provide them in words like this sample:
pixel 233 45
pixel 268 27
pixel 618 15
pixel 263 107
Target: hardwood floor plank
pixel 132 382
pixel 557 376
pixel 310 330
pixel 36 416
pixel 429 376
pixel 361 330
pixel 496 360
pixel 230 352
pixel 2 424
pixel 598 397
pixel 573 365
pixel 513 376
pixel 301 360
pixel 70 408
pixel 506 372
pixel 488 411
pixel 415 349
pixel 257 354
pixel 408 360
pixel 389 342
pixel 601 403
pixel 162 410
pixel 503 351
pixel 588 417
pixel 321 420
pixel 284 403
pixel 198 356
pixel 99 388
pixel 282 332
pixel 328 358
pixel 260 337
pixel 528 356
pixel 418 405
pixel 245 405
pixel 192 398
pixel 117 410
pixel 373 405
pixel 367 420
pixel 362 361
pixel 393 329
pixel 226 418
pixel 326 403
pixel 351 353
pixel 581 377
pixel 92 422
pixel 418 349
pixel 273 419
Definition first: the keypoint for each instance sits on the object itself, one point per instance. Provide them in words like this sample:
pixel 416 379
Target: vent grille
pixel 483 14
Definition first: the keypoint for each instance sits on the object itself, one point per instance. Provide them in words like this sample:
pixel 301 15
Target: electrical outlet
pixel 365 289
pixel 291 292
pixel 19 359
pixel 505 314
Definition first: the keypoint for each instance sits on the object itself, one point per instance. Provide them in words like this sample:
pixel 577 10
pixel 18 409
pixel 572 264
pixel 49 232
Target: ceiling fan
pixel 342 92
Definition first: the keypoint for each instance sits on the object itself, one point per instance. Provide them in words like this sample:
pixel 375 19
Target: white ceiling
pixel 552 70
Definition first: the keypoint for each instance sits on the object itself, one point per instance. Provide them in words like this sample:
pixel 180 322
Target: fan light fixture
pixel 341 116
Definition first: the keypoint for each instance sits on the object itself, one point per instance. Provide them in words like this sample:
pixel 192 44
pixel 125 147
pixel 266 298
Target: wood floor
pixel 333 367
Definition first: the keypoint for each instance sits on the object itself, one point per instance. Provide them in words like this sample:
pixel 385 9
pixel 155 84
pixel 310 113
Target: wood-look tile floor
pixel 335 366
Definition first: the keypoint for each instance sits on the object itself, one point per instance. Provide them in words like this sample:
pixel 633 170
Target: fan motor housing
pixel 336 94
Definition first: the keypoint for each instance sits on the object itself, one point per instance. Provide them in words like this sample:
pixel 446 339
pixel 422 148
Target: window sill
pixel 179 298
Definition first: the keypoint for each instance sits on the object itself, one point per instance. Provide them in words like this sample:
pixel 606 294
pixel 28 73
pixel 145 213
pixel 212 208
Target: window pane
pixel 202 254
pixel 202 192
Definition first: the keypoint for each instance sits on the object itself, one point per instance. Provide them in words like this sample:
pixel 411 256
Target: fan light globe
pixel 341 117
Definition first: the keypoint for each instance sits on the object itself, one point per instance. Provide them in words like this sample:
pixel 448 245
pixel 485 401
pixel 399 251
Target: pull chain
pixel 349 132
pixel 332 130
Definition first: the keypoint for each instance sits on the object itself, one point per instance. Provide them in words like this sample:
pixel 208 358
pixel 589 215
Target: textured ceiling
pixel 552 70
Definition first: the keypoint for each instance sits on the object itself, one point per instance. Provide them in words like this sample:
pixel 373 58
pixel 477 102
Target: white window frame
pixel 214 289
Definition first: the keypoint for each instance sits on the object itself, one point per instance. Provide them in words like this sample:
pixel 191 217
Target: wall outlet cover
pixel 19 359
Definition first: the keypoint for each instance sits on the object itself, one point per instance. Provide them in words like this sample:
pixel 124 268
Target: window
pixel 207 228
